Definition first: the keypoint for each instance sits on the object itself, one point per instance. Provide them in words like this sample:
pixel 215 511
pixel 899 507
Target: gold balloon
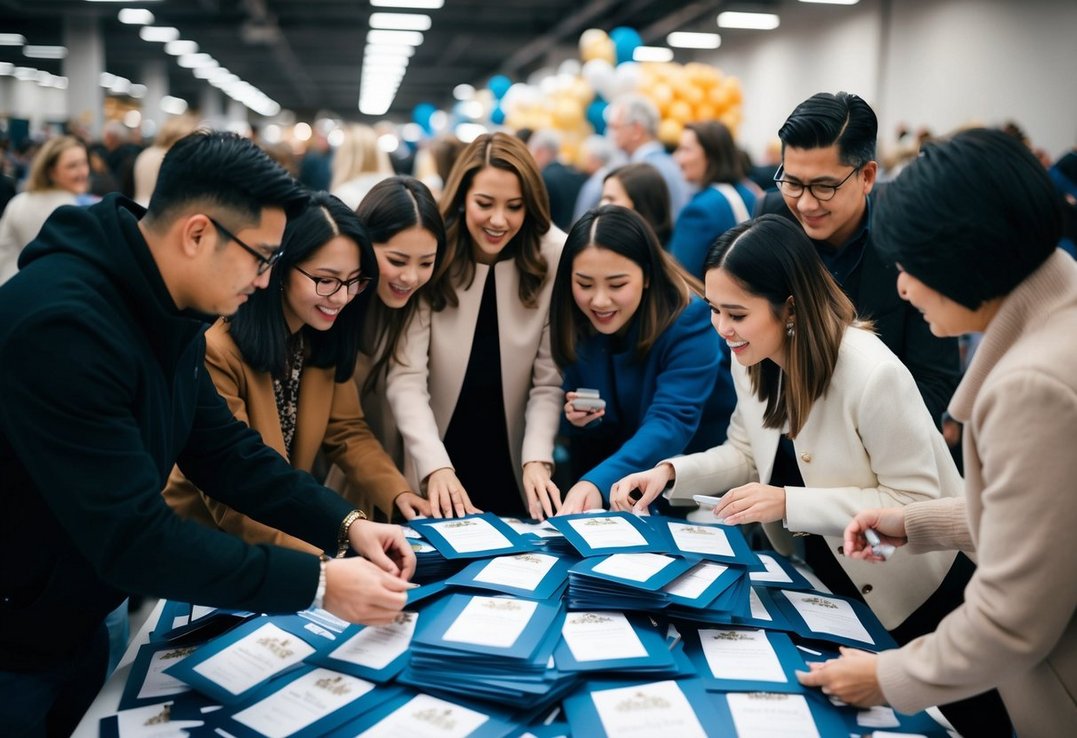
pixel 680 111
pixel 669 131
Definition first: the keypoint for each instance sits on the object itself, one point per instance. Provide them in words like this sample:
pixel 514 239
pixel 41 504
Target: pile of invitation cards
pixel 591 625
pixel 496 648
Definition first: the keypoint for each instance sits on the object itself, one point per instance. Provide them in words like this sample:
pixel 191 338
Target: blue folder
pixel 657 654
pixel 434 710
pixel 363 702
pixel 550 585
pixel 185 669
pixel 788 657
pixel 584 720
pixel 652 539
pixel 882 639
pixel 439 617
pixel 324 656
pixel 431 528
pixel 786 576
pixel 742 553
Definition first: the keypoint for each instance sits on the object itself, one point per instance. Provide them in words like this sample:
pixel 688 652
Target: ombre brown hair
pixel 772 258
pixel 506 152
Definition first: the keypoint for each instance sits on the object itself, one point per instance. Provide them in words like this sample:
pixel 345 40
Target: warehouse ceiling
pixel 307 55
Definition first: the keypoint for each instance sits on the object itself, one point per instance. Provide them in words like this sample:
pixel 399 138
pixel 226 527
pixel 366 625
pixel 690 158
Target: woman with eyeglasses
pixel 284 363
pixel 403 221
pixel 476 394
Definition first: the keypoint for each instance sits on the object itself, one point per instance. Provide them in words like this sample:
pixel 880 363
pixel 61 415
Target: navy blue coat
pixel 706 216
pixel 678 398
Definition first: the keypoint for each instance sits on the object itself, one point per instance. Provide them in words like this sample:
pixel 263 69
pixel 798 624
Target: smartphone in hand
pixel 588 400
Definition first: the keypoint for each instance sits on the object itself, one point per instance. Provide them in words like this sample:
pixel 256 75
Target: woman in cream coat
pixel 979 255
pixel 476 394
pixel 828 422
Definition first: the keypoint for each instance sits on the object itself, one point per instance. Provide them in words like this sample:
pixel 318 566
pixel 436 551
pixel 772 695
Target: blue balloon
pixel 596 114
pixel 497 115
pixel 499 84
pixel 421 114
pixel 625 41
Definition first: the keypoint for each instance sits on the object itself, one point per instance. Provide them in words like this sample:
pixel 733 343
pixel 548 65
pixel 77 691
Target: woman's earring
pixel 790 329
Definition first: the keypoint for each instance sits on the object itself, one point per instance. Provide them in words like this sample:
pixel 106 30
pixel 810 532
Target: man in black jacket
pixel 104 390
pixel 825 182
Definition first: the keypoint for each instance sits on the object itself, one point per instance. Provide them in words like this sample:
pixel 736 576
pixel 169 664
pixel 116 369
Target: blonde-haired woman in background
pixel 59 174
pixel 358 165
pixel 148 162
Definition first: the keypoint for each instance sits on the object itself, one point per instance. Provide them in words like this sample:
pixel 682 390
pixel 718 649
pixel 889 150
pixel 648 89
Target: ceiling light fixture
pixel 180 46
pixel 754 21
pixel 689 40
pixel 415 4
pixel 409 38
pixel 44 52
pixel 160 34
pixel 400 21
pixel 136 17
pixel 652 54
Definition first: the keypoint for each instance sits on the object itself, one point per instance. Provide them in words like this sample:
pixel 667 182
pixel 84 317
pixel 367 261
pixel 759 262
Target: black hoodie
pixel 102 390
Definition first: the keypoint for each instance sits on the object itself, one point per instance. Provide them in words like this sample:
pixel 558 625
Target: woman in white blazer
pixel 476 394
pixel 828 422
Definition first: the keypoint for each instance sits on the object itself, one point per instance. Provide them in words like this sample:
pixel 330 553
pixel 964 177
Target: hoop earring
pixel 790 329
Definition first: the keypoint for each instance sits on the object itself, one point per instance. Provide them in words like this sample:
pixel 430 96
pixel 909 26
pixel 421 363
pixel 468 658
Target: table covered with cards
pixel 601 624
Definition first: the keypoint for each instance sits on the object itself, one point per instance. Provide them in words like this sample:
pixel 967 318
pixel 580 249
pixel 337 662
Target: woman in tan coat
pixel 476 394
pixel 285 361
pixel 973 226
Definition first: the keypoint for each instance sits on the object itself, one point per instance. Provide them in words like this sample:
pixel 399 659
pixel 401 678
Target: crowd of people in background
pixel 421 330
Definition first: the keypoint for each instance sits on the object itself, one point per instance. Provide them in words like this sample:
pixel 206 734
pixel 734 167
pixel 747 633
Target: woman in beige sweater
pixel 973 226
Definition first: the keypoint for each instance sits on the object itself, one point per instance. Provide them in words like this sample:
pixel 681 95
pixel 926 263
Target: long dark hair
pixel 259 328
pixel 392 206
pixel 724 162
pixel 649 194
pixel 668 288
pixel 501 151
pixel 772 258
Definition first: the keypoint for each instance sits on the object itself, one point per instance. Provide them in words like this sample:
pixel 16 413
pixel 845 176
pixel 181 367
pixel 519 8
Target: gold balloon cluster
pixel 572 98
pixel 689 93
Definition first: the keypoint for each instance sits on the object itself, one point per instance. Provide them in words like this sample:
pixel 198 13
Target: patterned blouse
pixel 287 392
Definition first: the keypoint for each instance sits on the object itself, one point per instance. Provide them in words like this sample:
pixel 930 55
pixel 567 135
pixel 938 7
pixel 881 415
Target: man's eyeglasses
pixel 265 263
pixel 329 286
pixel 819 190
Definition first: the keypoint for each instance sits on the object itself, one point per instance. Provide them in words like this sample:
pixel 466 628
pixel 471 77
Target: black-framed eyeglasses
pixel 265 263
pixel 329 286
pixel 819 190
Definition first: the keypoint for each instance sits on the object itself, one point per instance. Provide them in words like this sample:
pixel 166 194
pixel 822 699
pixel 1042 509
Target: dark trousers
pixel 973 717
pixel 51 702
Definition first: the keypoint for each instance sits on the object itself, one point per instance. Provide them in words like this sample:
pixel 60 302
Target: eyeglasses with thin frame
pixel 265 263
pixel 329 286
pixel 819 190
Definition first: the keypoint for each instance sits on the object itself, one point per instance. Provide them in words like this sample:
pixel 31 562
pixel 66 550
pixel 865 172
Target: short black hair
pixel 226 170
pixel 259 328
pixel 825 119
pixel 971 217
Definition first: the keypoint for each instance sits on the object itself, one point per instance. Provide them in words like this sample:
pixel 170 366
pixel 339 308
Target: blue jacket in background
pixel 707 216
pixel 679 398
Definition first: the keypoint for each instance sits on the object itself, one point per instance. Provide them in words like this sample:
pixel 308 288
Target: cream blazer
pixel 423 388
pixel 868 442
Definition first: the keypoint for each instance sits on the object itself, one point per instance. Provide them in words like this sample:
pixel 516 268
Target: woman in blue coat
pixel 710 161
pixel 624 321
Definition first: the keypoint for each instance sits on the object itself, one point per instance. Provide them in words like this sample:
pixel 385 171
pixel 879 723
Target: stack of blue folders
pixel 689 570
pixel 492 647
pixel 443 545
